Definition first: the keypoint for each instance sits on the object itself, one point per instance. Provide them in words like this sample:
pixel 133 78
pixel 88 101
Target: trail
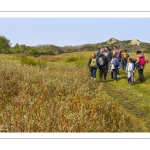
pixel 133 98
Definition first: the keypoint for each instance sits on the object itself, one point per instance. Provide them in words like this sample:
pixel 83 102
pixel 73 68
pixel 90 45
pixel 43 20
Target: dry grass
pixel 57 98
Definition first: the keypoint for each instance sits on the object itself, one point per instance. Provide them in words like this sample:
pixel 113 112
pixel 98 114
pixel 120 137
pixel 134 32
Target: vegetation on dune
pixel 40 50
pixel 60 97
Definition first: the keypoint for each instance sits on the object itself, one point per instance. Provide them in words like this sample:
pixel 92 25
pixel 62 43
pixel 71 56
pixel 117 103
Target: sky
pixel 73 31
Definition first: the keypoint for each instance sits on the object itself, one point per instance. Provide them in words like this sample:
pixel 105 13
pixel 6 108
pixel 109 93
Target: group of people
pixel 104 60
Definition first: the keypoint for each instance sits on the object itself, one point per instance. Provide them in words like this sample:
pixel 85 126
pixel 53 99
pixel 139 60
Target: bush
pixel 46 52
pixel 71 59
pixel 4 44
pixel 32 61
pixel 7 51
pixel 37 52
pixel 34 52
pixel 69 50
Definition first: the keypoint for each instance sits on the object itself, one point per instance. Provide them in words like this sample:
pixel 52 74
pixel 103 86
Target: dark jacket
pixel 105 61
pixel 109 55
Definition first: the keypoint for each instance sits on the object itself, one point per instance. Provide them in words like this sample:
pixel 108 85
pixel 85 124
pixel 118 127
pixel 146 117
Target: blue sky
pixel 73 31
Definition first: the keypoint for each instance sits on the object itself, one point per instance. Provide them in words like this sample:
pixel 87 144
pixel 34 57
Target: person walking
pixel 114 67
pixel 108 55
pixel 125 57
pixel 140 63
pixel 129 71
pixel 102 65
pixel 119 56
pixel 92 63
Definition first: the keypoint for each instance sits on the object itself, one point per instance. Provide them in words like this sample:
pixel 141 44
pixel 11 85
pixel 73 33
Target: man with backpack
pixel 102 65
pixel 108 55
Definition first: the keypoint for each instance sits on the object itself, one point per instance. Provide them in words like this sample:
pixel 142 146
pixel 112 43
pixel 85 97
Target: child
pixel 114 64
pixel 135 67
pixel 129 71
pixel 93 66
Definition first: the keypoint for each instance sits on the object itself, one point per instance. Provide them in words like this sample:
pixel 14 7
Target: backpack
pixel 101 61
pixel 134 61
pixel 142 61
pixel 116 62
pixel 106 54
pixel 137 65
pixel 93 62
pixel 130 67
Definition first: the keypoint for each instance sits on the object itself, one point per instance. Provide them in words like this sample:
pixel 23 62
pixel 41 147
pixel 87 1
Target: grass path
pixel 135 99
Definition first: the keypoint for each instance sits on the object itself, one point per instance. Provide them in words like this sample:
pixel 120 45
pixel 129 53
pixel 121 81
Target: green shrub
pixel 46 52
pixel 7 51
pixel 33 52
pixel 37 52
pixel 32 61
pixel 71 59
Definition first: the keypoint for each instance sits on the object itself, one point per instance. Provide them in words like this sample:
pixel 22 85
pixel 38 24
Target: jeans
pixel 114 73
pixel 103 71
pixel 124 63
pixel 93 72
pixel 131 79
pixel 140 73
pixel 118 68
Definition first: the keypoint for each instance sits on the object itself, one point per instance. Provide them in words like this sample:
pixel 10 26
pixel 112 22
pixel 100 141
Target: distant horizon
pixel 81 44
pixel 73 31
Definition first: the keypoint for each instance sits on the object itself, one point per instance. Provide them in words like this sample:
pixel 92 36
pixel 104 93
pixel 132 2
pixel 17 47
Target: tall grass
pixel 32 61
pixel 58 98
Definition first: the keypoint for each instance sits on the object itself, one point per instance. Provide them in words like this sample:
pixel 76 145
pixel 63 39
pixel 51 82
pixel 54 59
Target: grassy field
pixel 55 94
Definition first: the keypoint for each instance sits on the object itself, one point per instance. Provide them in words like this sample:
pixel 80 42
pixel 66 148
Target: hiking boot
pixel 114 80
pixel 94 79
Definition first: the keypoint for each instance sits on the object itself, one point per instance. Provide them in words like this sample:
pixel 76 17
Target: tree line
pixel 6 48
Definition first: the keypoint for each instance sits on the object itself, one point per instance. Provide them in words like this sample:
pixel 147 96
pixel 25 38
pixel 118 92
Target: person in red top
pixel 139 59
